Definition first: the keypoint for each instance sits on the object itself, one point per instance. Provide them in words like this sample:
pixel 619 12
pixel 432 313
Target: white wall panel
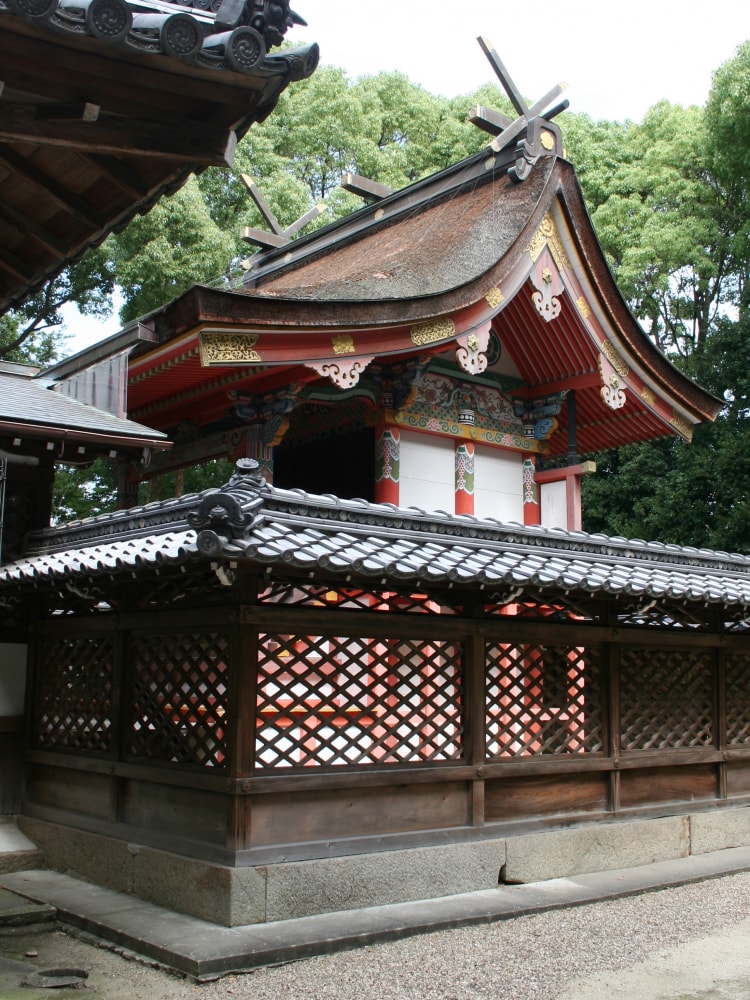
pixel 553 505
pixel 427 472
pixel 498 484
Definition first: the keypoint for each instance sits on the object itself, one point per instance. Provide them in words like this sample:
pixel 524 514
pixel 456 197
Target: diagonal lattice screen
pixel 314 595
pixel 738 704
pixel 338 700
pixel 542 700
pixel 179 698
pixel 666 698
pixel 73 702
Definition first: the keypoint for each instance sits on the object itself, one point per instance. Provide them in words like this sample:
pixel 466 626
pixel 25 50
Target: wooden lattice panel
pixel 738 698
pixel 563 610
pixel 542 700
pixel 663 615
pixel 178 708
pixel 666 698
pixel 345 701
pixel 73 702
pixel 311 595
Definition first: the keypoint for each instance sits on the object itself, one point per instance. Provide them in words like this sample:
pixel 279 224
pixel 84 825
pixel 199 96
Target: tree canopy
pixel 669 198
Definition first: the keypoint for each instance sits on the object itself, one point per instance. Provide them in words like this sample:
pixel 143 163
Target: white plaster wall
pixel 12 678
pixel 498 484
pixel 427 469
pixel 553 505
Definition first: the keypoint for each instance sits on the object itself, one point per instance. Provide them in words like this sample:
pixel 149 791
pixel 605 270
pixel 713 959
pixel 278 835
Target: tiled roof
pixel 28 402
pixel 359 540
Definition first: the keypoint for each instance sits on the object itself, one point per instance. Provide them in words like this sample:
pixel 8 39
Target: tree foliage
pixel 669 198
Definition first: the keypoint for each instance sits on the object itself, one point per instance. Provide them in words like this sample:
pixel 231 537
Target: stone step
pixel 17 852
pixel 17 911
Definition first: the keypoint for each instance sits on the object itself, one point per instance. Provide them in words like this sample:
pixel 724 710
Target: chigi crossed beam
pixel 507 129
pixel 278 236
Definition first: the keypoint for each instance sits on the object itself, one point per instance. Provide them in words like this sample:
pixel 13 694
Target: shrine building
pixel 383 662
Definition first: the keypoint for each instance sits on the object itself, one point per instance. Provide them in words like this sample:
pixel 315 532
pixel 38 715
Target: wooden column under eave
pixel 387 463
pixel 530 491
pixel 464 477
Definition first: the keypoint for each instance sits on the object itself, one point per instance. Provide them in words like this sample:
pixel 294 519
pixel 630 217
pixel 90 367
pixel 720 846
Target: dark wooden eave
pixel 93 132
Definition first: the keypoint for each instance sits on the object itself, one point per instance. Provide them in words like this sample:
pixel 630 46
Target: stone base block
pixel 595 848
pixel 719 830
pixel 306 887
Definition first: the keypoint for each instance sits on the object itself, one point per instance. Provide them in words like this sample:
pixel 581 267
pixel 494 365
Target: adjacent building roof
pixel 33 409
pixel 107 105
pixel 249 523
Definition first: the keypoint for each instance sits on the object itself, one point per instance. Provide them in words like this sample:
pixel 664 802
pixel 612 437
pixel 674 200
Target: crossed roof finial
pixel 530 125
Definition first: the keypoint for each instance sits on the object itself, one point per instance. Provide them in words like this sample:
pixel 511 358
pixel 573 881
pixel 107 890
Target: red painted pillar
pixel 464 477
pixel 531 513
pixel 387 462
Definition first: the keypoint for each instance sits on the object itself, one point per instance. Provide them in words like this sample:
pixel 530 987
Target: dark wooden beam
pixel 365 188
pixel 13 264
pixel 83 112
pixel 120 175
pixel 516 98
pixel 488 120
pixel 263 207
pixel 30 227
pixel 191 143
pixel 64 199
pixel 262 238
pixel 305 219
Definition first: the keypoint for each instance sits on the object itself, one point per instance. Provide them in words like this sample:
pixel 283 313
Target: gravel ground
pixel 656 945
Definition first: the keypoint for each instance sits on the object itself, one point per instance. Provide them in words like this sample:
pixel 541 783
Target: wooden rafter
pixel 55 192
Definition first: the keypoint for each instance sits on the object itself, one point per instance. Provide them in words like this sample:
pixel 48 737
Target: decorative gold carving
pixel 342 343
pixel 548 236
pixel 547 139
pixel 647 396
pixel 547 276
pixel 379 213
pixel 618 363
pixel 429 333
pixel 228 349
pixel 681 425
pixel 494 298
pixel 583 307
pixel 472 343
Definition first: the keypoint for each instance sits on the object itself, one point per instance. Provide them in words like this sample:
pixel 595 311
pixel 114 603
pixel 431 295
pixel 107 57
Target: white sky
pixel 619 59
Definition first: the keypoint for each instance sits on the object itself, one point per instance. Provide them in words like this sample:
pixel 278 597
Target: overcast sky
pixel 618 58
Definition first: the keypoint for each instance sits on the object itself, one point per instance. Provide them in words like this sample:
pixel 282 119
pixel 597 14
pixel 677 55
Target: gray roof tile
pixel 353 537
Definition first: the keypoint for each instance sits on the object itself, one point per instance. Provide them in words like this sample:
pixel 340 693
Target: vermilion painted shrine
pixel 385 645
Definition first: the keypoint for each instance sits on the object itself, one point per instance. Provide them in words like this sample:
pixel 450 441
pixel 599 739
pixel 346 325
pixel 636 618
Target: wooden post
pixel 530 492
pixel 464 482
pixel 387 464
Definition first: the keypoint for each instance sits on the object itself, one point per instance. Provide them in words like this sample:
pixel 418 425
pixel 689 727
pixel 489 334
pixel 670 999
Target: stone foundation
pixel 236 896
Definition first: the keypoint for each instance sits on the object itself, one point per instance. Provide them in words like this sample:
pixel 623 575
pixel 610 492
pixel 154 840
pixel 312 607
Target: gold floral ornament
pixel 494 298
pixel 616 360
pixel 548 236
pixel 228 349
pixel 342 343
pixel 647 396
pixel 681 425
pixel 583 307
pixel 430 333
